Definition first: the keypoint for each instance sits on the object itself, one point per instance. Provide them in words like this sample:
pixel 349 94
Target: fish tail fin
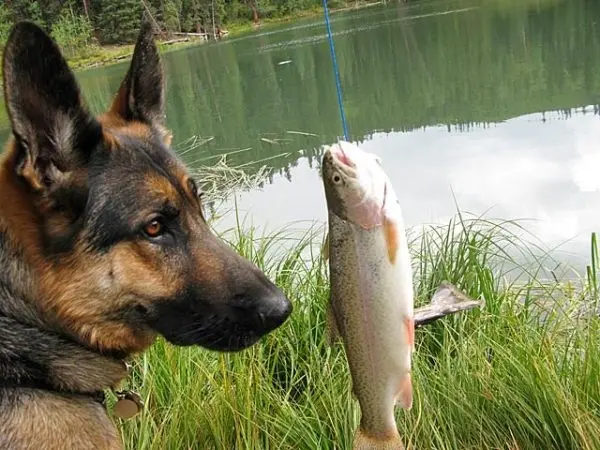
pixel 362 441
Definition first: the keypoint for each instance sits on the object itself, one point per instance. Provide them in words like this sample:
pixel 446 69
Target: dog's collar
pixel 128 404
pixel 97 396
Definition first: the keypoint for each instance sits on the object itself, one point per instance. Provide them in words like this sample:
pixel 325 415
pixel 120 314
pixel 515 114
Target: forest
pixel 77 24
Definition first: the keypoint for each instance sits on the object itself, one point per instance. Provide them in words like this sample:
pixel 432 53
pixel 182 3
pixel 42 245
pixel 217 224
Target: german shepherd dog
pixel 103 246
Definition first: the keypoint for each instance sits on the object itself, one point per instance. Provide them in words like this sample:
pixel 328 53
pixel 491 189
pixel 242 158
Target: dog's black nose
pixel 266 313
pixel 273 312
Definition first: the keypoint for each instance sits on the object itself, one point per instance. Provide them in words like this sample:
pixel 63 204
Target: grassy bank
pixel 111 54
pixel 105 55
pixel 497 378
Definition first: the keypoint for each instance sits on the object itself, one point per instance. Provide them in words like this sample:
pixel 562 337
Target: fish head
pixel 355 184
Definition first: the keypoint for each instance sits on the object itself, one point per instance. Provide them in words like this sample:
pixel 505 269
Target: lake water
pixel 492 104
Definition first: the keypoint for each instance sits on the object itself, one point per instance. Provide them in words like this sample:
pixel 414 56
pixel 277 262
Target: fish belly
pixel 371 300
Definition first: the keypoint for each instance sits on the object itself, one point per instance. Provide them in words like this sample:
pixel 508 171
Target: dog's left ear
pixel 54 132
pixel 141 95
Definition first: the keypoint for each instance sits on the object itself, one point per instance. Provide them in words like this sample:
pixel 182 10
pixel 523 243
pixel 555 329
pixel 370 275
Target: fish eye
pixel 337 179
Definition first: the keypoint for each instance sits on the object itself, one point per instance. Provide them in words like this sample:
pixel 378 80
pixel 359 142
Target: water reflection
pixel 540 168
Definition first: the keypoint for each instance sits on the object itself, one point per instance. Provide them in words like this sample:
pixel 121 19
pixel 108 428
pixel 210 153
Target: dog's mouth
pixel 214 333
pixel 210 332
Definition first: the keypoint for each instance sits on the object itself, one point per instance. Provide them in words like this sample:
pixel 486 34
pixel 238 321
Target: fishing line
pixel 336 72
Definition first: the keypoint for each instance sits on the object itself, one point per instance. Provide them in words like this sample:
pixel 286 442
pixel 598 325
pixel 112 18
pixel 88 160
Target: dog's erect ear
pixel 141 95
pixel 53 130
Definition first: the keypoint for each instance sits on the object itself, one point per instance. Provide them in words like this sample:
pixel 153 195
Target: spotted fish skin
pixel 371 300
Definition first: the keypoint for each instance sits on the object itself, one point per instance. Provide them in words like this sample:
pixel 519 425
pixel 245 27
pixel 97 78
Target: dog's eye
pixel 154 228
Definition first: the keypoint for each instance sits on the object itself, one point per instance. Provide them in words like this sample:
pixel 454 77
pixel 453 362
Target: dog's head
pixel 109 218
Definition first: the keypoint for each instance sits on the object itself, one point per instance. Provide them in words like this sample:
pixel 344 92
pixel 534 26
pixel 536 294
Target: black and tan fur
pixel 103 246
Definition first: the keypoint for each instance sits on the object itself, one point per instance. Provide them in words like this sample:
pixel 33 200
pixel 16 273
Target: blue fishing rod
pixel 336 72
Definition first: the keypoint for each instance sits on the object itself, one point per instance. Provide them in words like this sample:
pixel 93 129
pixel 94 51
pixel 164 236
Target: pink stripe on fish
pixel 409 323
pixel 391 239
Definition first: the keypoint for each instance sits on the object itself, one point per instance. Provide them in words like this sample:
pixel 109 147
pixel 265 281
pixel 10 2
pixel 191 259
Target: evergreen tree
pixel 119 20
pixel 171 14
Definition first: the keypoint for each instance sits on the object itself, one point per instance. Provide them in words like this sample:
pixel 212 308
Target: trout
pixel 371 301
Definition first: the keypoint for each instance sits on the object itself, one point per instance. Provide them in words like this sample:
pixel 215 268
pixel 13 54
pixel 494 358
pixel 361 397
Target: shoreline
pixel 107 55
pixel 114 54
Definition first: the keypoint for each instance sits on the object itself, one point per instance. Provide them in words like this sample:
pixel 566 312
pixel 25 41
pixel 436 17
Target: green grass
pixel 497 378
pixel 110 54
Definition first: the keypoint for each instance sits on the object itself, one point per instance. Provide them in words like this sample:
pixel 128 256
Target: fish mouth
pixel 340 155
pixel 340 160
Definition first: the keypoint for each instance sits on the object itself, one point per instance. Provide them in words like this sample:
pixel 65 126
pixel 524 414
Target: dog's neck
pixel 34 355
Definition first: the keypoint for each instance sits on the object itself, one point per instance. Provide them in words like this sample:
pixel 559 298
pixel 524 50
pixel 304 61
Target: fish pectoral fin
pixel 404 396
pixel 332 332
